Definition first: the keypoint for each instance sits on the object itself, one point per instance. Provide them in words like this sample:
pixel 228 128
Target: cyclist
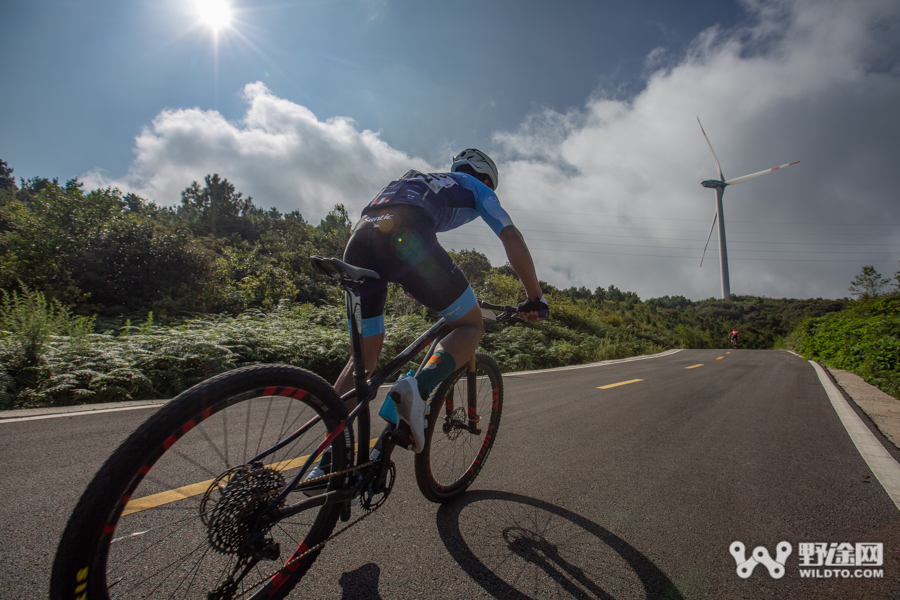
pixel 735 337
pixel 396 237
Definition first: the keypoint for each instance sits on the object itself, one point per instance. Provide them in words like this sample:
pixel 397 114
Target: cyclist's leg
pixel 436 281
pixel 465 337
pixel 362 251
pixel 371 347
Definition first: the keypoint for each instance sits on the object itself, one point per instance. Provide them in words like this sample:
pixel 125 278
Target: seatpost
pixel 354 315
pixel 360 375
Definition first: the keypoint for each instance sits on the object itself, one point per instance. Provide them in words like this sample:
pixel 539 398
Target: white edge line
pixel 883 466
pixel 596 364
pixel 77 413
pixel 587 366
pixel 517 373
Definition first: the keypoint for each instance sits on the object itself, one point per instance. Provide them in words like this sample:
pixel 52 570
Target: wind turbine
pixel 719 185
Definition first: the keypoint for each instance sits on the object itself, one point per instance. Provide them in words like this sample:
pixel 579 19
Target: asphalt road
pixel 633 491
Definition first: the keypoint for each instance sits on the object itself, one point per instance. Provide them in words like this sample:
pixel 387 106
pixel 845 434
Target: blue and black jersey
pixel 450 199
pixel 396 237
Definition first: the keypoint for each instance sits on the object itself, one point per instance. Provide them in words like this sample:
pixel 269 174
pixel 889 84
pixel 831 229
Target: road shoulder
pixel 80 409
pixel 884 410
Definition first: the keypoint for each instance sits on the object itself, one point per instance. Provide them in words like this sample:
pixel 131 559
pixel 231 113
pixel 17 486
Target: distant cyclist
pixel 735 337
pixel 396 237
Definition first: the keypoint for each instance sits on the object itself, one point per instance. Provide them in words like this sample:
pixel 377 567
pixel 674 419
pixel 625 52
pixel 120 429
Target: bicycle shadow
pixel 517 547
pixel 361 583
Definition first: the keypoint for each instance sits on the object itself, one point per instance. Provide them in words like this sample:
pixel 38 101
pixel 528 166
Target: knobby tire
pixel 453 455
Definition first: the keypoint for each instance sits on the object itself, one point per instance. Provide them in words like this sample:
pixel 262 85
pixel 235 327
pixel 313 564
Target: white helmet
pixel 479 162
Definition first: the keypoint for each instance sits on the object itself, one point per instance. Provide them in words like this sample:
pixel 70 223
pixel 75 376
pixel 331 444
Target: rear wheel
pixel 461 430
pixel 176 511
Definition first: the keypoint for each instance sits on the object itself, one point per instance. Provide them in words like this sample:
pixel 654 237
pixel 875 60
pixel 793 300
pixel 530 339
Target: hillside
pixel 863 338
pixel 107 296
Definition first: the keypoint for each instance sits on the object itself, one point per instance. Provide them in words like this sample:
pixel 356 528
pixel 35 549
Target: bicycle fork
pixel 454 420
pixel 472 392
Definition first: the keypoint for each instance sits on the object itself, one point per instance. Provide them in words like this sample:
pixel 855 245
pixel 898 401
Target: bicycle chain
pixel 368 512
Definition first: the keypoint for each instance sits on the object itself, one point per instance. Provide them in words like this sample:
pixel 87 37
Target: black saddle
pixel 338 269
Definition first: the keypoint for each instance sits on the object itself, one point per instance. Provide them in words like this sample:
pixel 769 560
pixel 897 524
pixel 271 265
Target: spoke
pixel 196 571
pixel 247 430
pixel 284 429
pixel 187 458
pixel 225 436
pixel 265 423
pixel 292 425
pixel 161 569
pixel 212 444
pixel 284 531
pixel 140 533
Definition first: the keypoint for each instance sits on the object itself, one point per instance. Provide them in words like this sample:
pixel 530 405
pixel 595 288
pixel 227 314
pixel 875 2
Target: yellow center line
pixel 719 357
pixel 729 352
pixel 612 385
pixel 694 366
pixel 195 489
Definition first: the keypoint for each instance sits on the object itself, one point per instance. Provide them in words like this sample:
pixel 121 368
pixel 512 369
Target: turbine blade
pixel 752 175
pixel 715 216
pixel 718 168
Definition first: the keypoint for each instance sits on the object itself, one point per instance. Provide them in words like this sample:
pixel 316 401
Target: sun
pixel 215 14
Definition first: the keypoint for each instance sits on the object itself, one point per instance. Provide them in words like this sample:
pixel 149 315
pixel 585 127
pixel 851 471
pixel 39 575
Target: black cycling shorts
pixel 399 244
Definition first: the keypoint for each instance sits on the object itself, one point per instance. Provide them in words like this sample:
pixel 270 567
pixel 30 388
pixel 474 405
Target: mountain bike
pixel 734 343
pixel 212 498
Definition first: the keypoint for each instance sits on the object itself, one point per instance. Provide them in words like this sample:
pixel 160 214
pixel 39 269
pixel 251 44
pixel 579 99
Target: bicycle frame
pixel 365 389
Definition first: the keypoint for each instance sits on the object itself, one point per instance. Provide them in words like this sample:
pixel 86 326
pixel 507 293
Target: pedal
pixel 401 437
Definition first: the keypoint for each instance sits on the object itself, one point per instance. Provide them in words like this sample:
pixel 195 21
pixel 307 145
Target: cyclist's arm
pixel 521 262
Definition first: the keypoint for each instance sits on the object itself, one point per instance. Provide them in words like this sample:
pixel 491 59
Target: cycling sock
pixel 438 368
pixel 325 460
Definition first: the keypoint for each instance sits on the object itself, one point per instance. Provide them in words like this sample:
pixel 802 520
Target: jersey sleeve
pixel 493 214
pixel 486 203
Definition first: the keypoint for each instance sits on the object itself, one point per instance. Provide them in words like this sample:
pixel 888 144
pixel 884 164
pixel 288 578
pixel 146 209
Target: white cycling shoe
pixel 410 408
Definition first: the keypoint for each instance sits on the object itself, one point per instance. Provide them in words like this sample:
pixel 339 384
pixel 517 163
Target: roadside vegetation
pixel 863 338
pixel 105 297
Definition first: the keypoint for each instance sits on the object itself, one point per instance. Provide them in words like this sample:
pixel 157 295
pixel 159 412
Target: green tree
pixel 868 284
pixel 476 267
pixel 45 233
pixel 135 263
pixel 295 216
pixel 337 222
pixel 7 181
pixel 215 208
pixel 100 251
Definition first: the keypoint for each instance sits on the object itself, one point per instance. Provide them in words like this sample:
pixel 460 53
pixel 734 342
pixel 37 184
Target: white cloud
pixel 810 80
pixel 280 154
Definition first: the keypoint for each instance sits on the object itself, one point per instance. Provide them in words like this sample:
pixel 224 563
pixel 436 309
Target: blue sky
pixel 90 75
pixel 589 108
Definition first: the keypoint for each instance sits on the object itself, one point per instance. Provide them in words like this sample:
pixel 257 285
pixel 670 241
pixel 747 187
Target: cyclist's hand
pixel 534 310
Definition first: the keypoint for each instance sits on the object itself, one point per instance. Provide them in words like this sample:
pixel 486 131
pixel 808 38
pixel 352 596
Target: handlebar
pixel 507 314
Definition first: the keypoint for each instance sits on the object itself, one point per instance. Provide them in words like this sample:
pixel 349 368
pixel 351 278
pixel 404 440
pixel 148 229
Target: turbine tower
pixel 719 185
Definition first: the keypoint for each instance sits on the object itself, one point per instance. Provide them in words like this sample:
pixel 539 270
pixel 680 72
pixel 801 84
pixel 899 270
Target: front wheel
pixel 462 426
pixel 179 511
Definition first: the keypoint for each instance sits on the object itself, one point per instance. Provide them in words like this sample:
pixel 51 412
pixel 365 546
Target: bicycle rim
pixel 175 506
pixel 453 454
